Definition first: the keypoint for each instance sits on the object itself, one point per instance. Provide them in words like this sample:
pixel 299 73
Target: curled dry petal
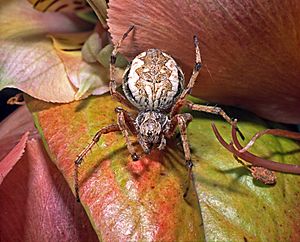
pixel 100 8
pixel 249 48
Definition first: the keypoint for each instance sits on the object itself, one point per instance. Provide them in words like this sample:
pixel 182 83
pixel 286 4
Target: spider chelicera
pixel 153 83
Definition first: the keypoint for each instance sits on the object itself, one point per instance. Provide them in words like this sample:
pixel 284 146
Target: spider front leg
pixel 214 110
pixel 198 63
pixel 182 121
pixel 112 84
pixel 78 161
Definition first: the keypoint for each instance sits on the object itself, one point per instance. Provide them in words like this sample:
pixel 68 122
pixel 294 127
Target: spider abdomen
pixel 153 81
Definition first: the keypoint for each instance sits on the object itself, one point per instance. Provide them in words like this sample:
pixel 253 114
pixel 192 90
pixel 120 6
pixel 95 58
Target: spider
pixel 153 84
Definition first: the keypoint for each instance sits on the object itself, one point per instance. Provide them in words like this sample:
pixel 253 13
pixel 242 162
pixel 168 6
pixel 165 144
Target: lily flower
pixel 58 54
pixel 53 55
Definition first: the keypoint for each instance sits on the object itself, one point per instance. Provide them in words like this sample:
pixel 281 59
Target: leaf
pixel 125 200
pixel 142 200
pixel 28 60
pixel 249 48
pixel 234 206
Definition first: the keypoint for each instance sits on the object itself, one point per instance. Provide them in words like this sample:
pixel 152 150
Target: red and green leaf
pixel 142 200
pixel 125 200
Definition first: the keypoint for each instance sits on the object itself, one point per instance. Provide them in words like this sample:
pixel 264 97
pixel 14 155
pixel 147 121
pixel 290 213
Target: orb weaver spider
pixel 153 84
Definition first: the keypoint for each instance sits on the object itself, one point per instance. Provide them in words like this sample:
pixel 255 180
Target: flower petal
pixel 19 19
pixel 28 60
pixel 34 197
pixel 12 157
pixel 87 77
pixel 68 6
pixel 37 205
pixel 13 128
pixel 249 48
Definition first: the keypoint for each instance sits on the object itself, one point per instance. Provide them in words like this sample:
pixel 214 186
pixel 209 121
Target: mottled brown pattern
pixel 264 175
pixel 154 71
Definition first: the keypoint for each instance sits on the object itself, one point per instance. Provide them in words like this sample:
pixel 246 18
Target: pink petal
pixel 13 128
pixel 13 157
pixel 250 49
pixel 37 205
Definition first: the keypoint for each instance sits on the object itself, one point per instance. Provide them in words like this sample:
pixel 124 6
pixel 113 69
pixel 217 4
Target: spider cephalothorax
pixel 153 84
pixel 150 126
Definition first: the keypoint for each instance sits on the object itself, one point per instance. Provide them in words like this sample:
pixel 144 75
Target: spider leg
pixel 78 161
pixel 112 84
pixel 182 121
pixel 198 63
pixel 126 124
pixel 214 110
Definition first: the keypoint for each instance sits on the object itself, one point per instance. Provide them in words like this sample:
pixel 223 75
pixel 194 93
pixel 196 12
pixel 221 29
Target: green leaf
pixel 234 206
pixel 104 57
